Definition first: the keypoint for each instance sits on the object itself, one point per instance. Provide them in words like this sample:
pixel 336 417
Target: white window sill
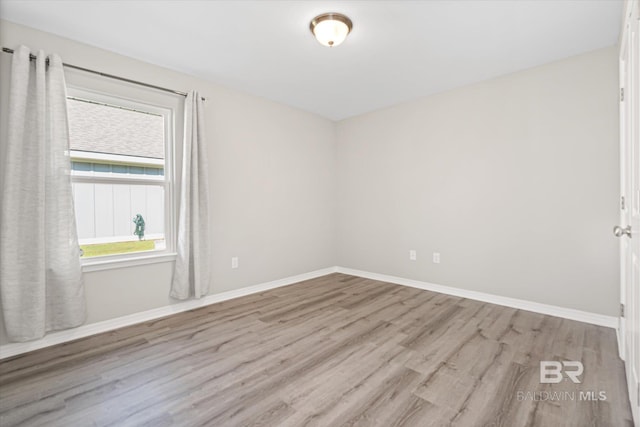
pixel 98 264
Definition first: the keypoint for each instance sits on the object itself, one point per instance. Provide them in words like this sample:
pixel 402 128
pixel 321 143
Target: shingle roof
pixel 104 129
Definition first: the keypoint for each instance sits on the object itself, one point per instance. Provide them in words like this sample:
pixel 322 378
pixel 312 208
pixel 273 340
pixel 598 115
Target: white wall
pixel 513 180
pixel 272 183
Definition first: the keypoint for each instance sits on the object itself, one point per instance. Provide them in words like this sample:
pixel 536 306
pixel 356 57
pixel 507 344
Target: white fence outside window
pixel 105 212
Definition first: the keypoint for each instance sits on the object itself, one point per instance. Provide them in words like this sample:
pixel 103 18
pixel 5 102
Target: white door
pixel 629 228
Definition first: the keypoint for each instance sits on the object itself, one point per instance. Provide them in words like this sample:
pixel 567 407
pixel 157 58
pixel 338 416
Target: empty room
pixel 320 213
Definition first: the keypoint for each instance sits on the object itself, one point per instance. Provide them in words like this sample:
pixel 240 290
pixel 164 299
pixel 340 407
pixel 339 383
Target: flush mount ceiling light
pixel 330 29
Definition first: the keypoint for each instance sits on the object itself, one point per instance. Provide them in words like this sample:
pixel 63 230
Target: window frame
pixel 168 183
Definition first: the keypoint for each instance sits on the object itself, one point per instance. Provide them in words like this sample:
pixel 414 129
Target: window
pixel 121 175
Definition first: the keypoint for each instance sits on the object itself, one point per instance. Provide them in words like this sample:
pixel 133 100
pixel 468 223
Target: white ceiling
pixel 397 51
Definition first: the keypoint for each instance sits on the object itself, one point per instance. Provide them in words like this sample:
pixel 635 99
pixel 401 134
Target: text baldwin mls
pixel 553 396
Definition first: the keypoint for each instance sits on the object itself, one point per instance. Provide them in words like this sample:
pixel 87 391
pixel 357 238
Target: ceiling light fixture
pixel 330 29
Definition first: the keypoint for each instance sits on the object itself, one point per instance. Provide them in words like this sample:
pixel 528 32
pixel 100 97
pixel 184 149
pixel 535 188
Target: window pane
pixel 80 166
pixel 109 141
pixel 136 170
pixel 153 171
pixel 119 169
pixel 105 215
pixel 99 167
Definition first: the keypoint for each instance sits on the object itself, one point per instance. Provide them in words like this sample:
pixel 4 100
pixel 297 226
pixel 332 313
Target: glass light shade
pixel 331 29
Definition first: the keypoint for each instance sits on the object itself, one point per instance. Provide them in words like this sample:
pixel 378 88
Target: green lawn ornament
pixel 139 222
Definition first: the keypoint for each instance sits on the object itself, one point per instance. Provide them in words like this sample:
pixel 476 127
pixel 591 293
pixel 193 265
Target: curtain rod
pixel 111 76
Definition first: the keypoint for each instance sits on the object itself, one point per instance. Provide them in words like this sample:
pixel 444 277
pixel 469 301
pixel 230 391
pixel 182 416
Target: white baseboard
pixel 619 341
pixel 53 338
pixel 536 307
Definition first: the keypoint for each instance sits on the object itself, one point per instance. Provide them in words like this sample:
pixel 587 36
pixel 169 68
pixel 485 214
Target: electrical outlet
pixel 436 257
pixel 234 262
pixel 413 255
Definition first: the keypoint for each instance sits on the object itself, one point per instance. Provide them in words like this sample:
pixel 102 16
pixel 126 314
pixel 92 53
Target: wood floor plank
pixel 338 350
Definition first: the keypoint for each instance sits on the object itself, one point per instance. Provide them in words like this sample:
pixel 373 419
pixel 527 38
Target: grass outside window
pixel 114 248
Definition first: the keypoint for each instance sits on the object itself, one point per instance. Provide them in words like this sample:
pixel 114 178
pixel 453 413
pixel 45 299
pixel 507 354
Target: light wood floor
pixel 336 350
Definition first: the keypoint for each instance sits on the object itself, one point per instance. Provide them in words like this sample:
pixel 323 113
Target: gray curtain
pixel 192 272
pixel 41 285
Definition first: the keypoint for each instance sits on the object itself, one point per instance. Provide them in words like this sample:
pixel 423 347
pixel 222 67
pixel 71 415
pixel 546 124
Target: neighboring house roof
pixel 104 129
